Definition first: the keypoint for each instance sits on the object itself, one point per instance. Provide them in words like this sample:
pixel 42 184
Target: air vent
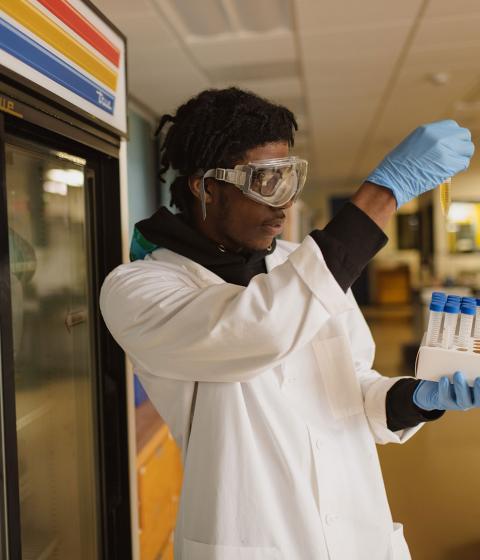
pixel 209 18
pixel 202 19
pixel 267 15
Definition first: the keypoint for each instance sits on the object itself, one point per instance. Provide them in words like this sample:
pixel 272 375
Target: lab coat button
pixel 331 518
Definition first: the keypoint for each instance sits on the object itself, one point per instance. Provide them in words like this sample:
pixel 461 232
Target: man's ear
pixel 195 184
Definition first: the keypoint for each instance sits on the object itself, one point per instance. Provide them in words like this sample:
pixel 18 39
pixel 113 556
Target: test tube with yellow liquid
pixel 445 196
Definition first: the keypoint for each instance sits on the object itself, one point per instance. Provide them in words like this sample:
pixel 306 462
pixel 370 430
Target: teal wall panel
pixel 141 163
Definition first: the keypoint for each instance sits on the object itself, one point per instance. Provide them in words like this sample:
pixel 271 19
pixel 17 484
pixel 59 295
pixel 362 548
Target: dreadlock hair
pixel 215 129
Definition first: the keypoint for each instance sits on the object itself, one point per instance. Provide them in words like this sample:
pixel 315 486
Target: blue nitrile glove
pixel 427 157
pixel 443 395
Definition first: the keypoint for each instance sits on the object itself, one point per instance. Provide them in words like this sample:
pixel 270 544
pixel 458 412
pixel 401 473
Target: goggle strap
pixel 234 176
pixel 202 197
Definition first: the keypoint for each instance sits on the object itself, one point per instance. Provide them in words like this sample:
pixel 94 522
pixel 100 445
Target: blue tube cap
pixel 452 307
pixel 437 306
pixel 467 309
pixel 439 294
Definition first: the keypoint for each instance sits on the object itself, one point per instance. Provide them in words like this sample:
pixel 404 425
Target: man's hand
pixel 443 395
pixel 423 160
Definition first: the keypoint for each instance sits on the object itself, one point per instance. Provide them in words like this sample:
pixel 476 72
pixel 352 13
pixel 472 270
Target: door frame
pixel 103 226
pixel 9 487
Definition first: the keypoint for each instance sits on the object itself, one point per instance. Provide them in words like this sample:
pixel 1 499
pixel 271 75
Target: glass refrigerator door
pixel 53 353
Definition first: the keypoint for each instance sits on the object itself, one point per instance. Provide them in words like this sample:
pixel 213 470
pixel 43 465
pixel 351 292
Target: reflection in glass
pixel 52 354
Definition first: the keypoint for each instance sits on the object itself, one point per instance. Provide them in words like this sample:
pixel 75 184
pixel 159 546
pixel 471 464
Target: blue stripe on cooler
pixel 22 47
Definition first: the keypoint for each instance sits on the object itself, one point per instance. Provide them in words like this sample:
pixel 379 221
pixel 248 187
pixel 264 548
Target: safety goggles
pixel 273 182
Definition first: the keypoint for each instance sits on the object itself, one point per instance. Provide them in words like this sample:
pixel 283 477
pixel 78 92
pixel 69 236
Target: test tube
pixel 449 323
pixel 434 322
pixel 476 328
pixel 467 313
pixel 445 196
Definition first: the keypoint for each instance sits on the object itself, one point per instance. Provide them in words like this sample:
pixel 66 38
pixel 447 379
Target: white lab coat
pixel 280 462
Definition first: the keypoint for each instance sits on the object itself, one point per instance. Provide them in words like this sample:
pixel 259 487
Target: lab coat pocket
pixel 336 367
pixel 399 547
pixel 193 550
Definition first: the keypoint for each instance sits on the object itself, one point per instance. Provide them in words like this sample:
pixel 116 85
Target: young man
pixel 253 349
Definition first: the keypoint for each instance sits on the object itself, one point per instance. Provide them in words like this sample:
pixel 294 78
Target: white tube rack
pixel 434 362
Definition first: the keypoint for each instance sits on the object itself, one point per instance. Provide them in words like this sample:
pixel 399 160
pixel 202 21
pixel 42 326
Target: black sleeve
pixel 348 242
pixel 402 412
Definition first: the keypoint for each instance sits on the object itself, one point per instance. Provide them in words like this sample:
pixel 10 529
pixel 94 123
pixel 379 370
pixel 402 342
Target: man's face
pixel 240 221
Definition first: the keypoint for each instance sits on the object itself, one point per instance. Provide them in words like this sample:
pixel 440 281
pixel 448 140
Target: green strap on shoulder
pixel 140 247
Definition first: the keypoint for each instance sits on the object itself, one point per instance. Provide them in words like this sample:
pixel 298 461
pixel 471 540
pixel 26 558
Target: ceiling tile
pixel 448 8
pixel 165 79
pixel 452 58
pixel 207 17
pixel 352 112
pixel 447 32
pixel 118 8
pixel 324 16
pixel 415 86
pixel 145 31
pixel 264 71
pixel 273 89
pixel 365 79
pixel 246 49
pixel 265 15
pixel 348 45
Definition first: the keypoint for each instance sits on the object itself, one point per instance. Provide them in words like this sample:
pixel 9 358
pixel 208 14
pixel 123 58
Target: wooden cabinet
pixel 159 476
pixel 393 285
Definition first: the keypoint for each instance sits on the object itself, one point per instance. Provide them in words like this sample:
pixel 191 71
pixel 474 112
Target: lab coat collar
pixel 206 275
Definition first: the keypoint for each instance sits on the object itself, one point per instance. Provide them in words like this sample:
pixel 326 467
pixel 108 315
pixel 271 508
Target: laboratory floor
pixel 433 480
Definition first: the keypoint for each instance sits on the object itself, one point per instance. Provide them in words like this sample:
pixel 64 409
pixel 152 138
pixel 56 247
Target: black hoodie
pixel 173 232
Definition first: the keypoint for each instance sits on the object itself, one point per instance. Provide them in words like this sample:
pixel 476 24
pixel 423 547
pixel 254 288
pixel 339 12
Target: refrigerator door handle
pixel 73 318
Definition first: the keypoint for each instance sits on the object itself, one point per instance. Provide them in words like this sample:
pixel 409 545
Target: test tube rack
pixel 434 362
